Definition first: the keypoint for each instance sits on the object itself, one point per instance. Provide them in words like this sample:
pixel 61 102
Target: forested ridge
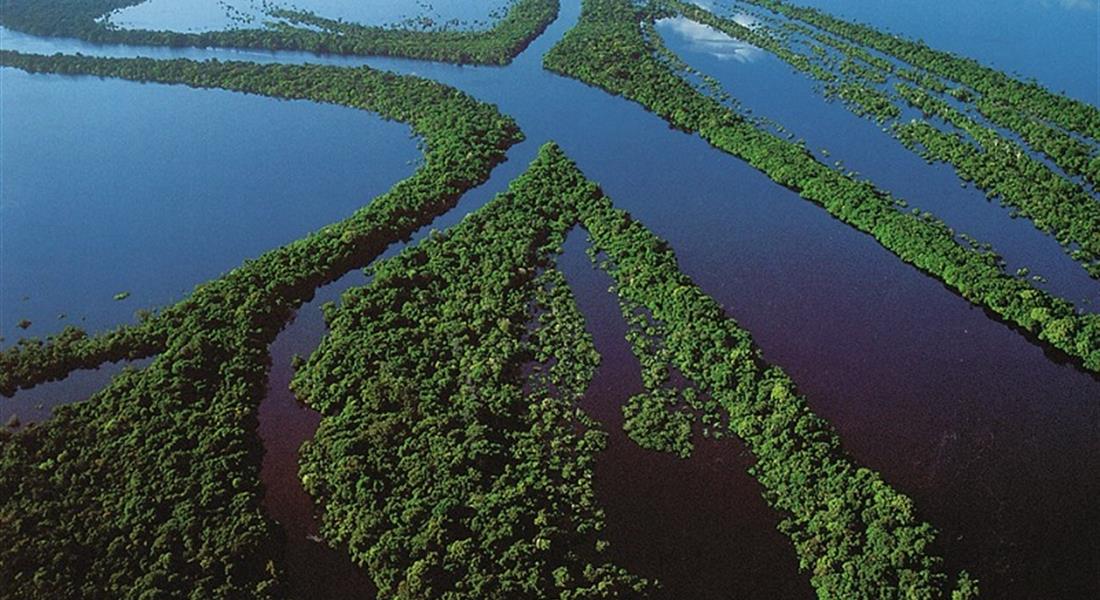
pixel 855 535
pixel 422 362
pixel 463 138
pixel 1013 172
pixel 452 457
pixel 1025 98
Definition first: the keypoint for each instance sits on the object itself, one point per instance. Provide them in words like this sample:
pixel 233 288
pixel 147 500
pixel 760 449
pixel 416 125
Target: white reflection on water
pixel 706 39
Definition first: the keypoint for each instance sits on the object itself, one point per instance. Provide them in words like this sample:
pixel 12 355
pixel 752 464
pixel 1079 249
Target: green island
pixel 297 30
pixel 981 154
pixel 608 49
pixel 151 487
pixel 452 458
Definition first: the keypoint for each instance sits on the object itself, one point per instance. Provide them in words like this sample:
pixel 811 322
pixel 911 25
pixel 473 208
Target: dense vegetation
pixel 464 139
pixel 452 457
pixel 854 534
pixel 980 154
pixel 998 166
pixel 151 488
pixel 298 31
pixel 607 48
pixel 428 461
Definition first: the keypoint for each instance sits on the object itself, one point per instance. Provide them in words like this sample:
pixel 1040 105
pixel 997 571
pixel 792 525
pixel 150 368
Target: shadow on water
pixel 314 569
pixel 699 525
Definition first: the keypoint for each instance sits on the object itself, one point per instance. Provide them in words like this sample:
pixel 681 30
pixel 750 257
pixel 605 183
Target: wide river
pixel 110 186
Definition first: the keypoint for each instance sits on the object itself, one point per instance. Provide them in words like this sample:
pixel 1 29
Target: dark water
pixel 996 443
pixel 697 524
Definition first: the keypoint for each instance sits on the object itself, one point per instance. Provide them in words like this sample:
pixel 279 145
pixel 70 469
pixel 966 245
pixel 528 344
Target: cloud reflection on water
pixel 706 39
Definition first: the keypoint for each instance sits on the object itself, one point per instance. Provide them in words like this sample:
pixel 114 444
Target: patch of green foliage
pixel 865 100
pixel 996 164
pixel 1044 119
pixel 663 417
pixel 1003 169
pixel 304 31
pixel 854 534
pixel 439 379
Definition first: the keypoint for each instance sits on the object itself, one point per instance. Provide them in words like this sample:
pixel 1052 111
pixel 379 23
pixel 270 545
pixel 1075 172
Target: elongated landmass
pixel 1064 129
pixel 607 49
pixel 439 380
pixel 151 487
pixel 874 87
pixel 304 31
pixel 452 457
pixel 1024 98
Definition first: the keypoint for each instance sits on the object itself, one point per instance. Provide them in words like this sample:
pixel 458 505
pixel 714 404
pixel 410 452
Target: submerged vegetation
pixel 607 48
pixel 83 19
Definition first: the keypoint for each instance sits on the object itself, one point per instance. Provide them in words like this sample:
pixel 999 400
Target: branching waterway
pixel 995 442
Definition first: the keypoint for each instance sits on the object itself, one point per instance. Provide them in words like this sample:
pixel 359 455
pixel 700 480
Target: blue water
pixel 111 186
pixel 214 15
pixel 996 443
pixel 765 86
pixel 1056 42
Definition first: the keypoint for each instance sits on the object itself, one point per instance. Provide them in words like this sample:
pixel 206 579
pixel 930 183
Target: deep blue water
pixel 111 186
pixel 996 443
